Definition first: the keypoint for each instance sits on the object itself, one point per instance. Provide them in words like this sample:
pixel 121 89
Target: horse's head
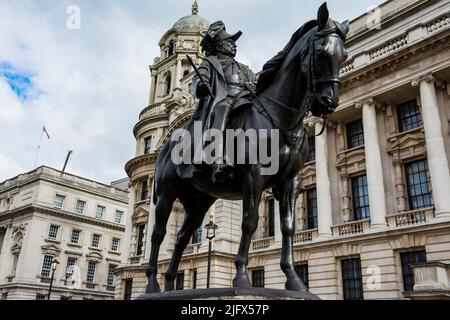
pixel 323 61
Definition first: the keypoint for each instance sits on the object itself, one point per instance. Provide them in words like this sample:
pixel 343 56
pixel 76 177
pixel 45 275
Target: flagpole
pixel 38 148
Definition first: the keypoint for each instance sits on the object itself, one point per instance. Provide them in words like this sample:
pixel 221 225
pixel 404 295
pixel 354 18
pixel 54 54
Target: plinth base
pixel 230 294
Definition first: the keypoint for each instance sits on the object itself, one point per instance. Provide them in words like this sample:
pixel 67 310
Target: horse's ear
pixel 322 16
pixel 345 27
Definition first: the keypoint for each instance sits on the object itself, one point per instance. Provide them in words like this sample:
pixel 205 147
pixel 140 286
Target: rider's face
pixel 229 47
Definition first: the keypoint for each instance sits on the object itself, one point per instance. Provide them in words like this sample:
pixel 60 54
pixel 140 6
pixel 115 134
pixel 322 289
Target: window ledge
pixel 95 249
pixel 114 252
pixel 76 245
pixel 351 149
pixel 52 240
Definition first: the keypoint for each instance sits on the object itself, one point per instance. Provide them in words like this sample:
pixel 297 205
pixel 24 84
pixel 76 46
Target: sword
pixel 199 75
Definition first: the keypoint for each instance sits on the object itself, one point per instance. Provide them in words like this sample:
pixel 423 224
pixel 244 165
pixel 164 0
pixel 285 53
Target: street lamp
pixel 54 266
pixel 210 234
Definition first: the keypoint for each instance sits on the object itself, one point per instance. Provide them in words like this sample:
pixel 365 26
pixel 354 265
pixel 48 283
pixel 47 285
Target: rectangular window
pixel 408 115
pixel 100 212
pixel 352 279
pixel 53 232
pixel 140 242
pixel 79 208
pixel 312 149
pixel 5 296
pixel 65 298
pixel 40 296
pixel 409 258
pixel 115 244
pixel 71 262
pixel 118 216
pixel 111 277
pixel 258 278
pixel 96 240
pixel 194 279
pixel 128 289
pixel 355 134
pixel 197 237
pixel 311 199
pixel 419 193
pixel 144 193
pixel 46 266
pixel 360 195
pixel 75 236
pixel 180 281
pixel 271 217
pixel 59 201
pixel 302 272
pixel 90 276
pixel 148 145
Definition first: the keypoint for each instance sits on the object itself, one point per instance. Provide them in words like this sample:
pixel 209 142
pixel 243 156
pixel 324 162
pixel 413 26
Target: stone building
pixel 48 215
pixel 374 222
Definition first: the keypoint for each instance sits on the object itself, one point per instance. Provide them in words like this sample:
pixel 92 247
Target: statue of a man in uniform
pixel 223 81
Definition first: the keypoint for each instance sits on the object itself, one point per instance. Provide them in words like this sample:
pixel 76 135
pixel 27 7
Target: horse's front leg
pixel 289 191
pixel 253 185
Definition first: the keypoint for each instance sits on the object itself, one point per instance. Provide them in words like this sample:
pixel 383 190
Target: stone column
pixel 374 169
pixel 399 186
pixel 437 157
pixel 178 74
pixel 277 221
pixel 128 216
pixel 150 221
pixel 152 90
pixel 345 197
pixel 324 212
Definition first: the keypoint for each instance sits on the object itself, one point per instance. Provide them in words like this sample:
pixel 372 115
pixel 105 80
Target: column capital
pixel 371 101
pixel 429 77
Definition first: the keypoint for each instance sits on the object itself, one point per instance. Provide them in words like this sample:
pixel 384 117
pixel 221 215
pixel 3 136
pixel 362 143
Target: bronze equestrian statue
pixel 302 78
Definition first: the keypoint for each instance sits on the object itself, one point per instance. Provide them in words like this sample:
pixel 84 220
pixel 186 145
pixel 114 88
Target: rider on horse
pixel 224 81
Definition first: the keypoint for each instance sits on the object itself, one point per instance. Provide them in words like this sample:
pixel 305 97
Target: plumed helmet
pixel 217 33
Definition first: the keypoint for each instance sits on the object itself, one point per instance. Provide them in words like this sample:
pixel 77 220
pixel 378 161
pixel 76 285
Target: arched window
pixel 185 73
pixel 171 46
pixel 168 83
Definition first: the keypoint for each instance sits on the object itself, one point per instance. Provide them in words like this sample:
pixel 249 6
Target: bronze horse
pixel 303 77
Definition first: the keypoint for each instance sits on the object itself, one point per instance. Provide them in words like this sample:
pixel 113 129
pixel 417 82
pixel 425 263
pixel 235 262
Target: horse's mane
pixel 272 66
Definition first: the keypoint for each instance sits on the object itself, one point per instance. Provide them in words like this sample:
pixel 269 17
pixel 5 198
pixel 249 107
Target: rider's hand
pixel 203 89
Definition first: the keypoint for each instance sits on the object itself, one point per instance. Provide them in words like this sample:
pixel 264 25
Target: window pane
pixel 197 237
pixel 355 134
pixel 271 217
pixel 302 272
pixel 115 244
pixel 53 232
pixel 144 194
pixel 71 262
pixel 100 212
pixel 360 195
pixel 111 276
pixel 352 279
pixel 409 258
pixel 118 216
pixel 312 149
pixel 258 278
pixel 408 115
pixel 418 185
pixel 79 208
pixel 59 201
pixel 128 289
pixel 140 242
pixel 96 240
pixel 75 237
pixel 91 272
pixel 180 281
pixel 311 198
pixel 46 266
pixel 148 145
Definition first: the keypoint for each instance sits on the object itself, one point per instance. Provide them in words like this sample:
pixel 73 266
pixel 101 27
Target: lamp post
pixel 54 266
pixel 210 234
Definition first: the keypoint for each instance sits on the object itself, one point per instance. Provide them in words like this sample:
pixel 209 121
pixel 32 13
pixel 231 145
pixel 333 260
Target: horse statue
pixel 302 78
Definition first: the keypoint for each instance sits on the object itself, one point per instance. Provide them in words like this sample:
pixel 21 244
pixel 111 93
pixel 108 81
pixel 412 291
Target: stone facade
pixel 48 215
pixel 377 183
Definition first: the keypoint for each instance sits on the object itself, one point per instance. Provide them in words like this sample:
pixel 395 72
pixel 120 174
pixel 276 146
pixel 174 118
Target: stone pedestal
pixel 230 294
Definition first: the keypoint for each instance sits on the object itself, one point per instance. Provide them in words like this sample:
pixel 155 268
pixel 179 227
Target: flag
pixel 45 130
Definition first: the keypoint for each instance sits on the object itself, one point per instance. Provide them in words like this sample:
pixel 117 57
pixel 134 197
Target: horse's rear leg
pixel 195 210
pixel 253 186
pixel 288 192
pixel 162 212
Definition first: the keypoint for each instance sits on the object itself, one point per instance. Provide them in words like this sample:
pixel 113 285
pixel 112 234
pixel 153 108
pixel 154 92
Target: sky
pixel 87 79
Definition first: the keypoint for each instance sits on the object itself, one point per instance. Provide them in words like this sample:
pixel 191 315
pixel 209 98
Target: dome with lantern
pixel 192 23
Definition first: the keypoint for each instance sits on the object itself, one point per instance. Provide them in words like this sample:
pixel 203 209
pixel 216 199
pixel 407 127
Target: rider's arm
pixel 201 89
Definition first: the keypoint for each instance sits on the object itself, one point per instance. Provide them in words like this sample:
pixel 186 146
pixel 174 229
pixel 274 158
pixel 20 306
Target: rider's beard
pixel 223 51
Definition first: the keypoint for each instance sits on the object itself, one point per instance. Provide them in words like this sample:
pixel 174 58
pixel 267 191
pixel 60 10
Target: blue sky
pixel 89 85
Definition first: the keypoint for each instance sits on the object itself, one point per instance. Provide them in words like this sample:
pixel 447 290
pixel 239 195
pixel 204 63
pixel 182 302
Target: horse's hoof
pixel 152 288
pixel 296 285
pixel 241 282
pixel 169 285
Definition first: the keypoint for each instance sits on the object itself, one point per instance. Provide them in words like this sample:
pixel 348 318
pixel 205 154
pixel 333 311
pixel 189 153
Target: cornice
pixel 138 161
pixel 33 208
